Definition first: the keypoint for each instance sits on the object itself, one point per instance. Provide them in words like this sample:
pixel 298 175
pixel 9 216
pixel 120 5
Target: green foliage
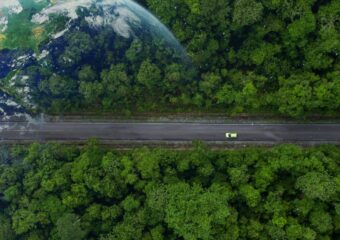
pixel 69 227
pixel 80 45
pixel 295 96
pixel 293 46
pixel 251 195
pixel 24 221
pixel 192 213
pixel 246 56
pixel 246 12
pixel 60 192
pixel 321 221
pixel 149 75
pixel 6 231
pixel 317 185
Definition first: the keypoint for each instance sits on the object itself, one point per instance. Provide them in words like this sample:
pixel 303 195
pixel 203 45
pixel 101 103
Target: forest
pixel 249 56
pixel 52 191
pixel 260 55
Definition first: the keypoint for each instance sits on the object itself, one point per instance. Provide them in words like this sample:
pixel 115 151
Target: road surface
pixel 169 132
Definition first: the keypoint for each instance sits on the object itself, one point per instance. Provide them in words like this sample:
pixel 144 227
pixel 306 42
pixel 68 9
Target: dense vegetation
pixel 250 55
pixel 258 55
pixel 62 192
pixel 100 70
pixel 255 56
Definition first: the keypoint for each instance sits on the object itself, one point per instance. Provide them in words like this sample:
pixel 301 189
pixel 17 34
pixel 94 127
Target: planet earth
pixel 45 45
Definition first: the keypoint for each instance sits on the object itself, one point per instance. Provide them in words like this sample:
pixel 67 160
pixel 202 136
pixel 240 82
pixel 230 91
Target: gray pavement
pixel 81 131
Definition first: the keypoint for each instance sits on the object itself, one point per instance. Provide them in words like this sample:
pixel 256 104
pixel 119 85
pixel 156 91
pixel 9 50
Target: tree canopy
pixel 244 56
pixel 53 191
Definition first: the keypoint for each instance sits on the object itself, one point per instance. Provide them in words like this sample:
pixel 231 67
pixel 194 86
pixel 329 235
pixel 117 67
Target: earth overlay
pixel 48 50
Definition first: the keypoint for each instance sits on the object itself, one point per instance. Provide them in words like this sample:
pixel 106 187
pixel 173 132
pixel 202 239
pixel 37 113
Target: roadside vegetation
pixel 53 191
pixel 279 57
pixel 260 55
pixel 250 56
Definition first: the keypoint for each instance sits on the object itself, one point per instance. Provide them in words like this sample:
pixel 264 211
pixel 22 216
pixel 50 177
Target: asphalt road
pixel 80 131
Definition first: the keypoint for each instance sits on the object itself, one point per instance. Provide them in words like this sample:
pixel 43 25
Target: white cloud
pixel 61 33
pixel 40 18
pixel 13 6
pixel 11 103
pixel 43 54
pixel 3 24
pixel 120 20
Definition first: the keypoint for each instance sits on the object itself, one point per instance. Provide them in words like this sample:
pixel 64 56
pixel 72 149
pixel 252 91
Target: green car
pixel 231 135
